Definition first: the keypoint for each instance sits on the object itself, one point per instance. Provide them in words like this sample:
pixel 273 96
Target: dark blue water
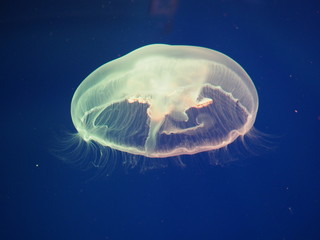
pixel 49 47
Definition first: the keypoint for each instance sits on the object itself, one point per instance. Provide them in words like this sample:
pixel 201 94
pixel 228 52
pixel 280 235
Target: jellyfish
pixel 161 101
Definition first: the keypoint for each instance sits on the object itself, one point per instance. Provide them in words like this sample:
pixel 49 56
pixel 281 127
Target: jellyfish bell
pixel 162 101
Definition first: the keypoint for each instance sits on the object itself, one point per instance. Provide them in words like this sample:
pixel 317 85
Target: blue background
pixel 49 47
